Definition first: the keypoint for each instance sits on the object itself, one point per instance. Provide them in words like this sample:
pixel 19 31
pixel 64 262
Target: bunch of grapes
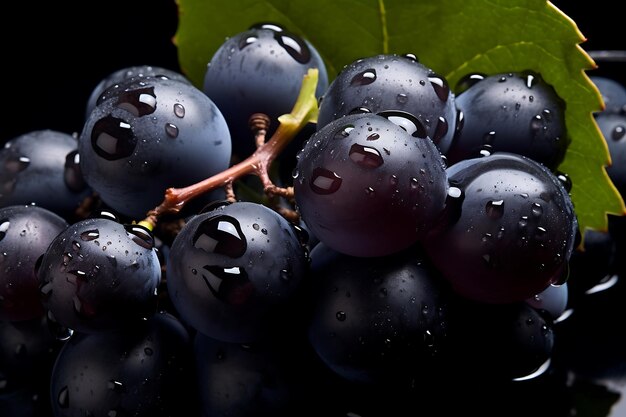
pixel 402 244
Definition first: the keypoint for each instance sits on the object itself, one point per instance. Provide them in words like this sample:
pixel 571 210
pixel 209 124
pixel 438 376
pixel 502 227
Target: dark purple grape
pixel 131 72
pixel 511 112
pixel 510 231
pixel 25 233
pixel 27 352
pixel 230 270
pixel 260 70
pixel 238 380
pixel 99 275
pixel 613 94
pixel 150 134
pixel 370 184
pixel 42 167
pixel 377 319
pixel 141 371
pixel 613 128
pixel 393 82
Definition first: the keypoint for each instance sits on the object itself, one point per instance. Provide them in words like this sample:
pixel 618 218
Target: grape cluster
pixel 416 244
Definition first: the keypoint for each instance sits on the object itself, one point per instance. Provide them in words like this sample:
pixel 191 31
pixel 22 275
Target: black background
pixel 54 52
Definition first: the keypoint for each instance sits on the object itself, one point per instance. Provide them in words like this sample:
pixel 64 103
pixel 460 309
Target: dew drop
pixel 4 227
pixel 141 235
pixel 565 180
pixel 171 130
pixel 344 132
pixel 294 46
pixel 365 156
pixel 246 41
pixel 411 57
pixel 72 174
pixel 373 136
pixel 364 78
pixel 536 125
pixel 63 399
pixel 112 138
pixel 468 81
pixel 495 209
pixel 402 98
pixel 324 181
pixel 341 315
pixel 440 130
pixel 230 285
pixel 618 132
pixel 148 351
pixel 537 209
pixel 179 110
pixel 139 102
pixel 221 235
pixel 90 235
pixel 440 86
pixel 406 121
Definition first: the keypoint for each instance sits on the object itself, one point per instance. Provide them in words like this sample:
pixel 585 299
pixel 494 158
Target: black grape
pixel 140 371
pixel 393 82
pixel 150 134
pixel 613 94
pixel 42 167
pixel 99 275
pixel 370 184
pixel 231 268
pixel 516 112
pixel 377 319
pixel 510 231
pixel 260 70
pixel 25 234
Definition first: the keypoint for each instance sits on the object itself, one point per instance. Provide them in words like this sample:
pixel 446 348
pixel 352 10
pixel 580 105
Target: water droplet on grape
pixel 63 399
pixel 90 235
pixel 364 78
pixel 468 81
pixel 179 110
pixel 324 181
pixel 294 46
pixel 4 227
pixel 440 85
pixel 618 132
pixel 495 208
pixel 344 132
pixel 222 235
pixel 139 102
pixel 341 315
pixel 112 138
pixel 141 235
pixel 248 40
pixel 171 130
pixel 365 156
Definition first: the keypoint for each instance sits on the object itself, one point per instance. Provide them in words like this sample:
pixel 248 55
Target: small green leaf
pixel 454 38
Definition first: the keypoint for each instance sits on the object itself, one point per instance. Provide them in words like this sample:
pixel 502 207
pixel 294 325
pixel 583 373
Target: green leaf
pixel 454 38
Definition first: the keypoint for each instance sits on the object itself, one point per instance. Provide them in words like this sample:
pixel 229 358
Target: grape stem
pixel 304 111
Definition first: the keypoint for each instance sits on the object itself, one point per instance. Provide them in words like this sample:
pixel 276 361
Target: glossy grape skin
pixel 41 167
pixel 365 186
pixel 613 128
pixel 149 134
pixel 122 74
pixel 377 319
pixel 511 112
pixel 510 231
pixel 260 70
pixel 100 275
pixel 25 233
pixel 141 371
pixel 393 82
pixel 613 94
pixel 231 268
